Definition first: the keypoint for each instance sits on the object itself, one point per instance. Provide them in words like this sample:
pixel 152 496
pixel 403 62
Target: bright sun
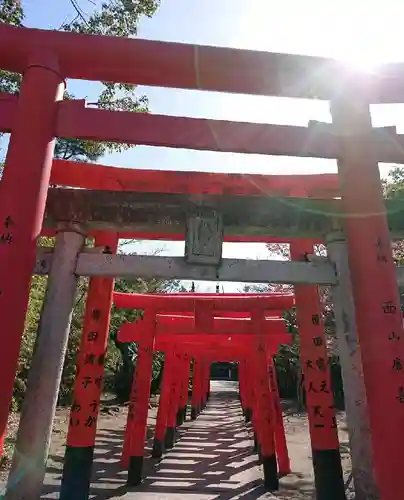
pixel 364 33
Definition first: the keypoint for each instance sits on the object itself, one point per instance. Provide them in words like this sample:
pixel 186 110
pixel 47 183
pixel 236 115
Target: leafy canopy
pixel 112 18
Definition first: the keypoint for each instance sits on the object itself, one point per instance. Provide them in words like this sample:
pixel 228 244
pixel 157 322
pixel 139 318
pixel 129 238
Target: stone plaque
pixel 204 237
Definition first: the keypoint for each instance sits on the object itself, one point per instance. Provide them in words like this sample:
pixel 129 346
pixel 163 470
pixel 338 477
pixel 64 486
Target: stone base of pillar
pixel 247 415
pixel 259 453
pixel 184 414
pixel 179 417
pixel 77 468
pixel 158 448
pixel 170 438
pixel 135 471
pixel 194 413
pixel 271 480
pixel 328 476
pixel 256 445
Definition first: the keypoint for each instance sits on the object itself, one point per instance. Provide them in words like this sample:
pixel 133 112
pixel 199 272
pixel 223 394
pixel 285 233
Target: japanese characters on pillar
pixel 263 416
pixel 280 437
pixel 174 399
pixel 164 402
pixel 374 286
pixel 196 388
pixel 314 360
pixel 317 384
pixel 6 236
pixel 91 357
pixel 22 205
pixel 139 402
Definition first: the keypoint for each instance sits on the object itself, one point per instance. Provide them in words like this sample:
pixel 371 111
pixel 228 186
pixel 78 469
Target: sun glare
pixel 364 33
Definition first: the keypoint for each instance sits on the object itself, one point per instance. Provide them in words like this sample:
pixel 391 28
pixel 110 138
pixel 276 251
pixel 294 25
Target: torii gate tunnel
pixel 345 211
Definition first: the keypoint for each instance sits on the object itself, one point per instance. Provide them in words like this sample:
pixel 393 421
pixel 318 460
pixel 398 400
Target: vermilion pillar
pixel 374 286
pixel 139 403
pixel 196 389
pixel 164 404
pixel 241 386
pixel 22 203
pixel 253 397
pixel 248 399
pixel 89 382
pixel 175 394
pixel 265 417
pixel 317 383
pixel 280 436
pixel 184 387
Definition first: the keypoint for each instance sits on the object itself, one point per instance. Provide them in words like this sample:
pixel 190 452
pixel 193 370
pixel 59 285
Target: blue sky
pixel 363 32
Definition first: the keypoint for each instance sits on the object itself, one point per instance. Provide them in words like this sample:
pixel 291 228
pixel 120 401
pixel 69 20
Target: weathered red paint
pixel 314 361
pixel 196 386
pixel 185 303
pixel 130 332
pixel 189 66
pixel 135 433
pixel 90 362
pixel 183 402
pixel 373 276
pixel 265 415
pixel 22 204
pixel 164 400
pixel 102 177
pixel 175 390
pixel 280 435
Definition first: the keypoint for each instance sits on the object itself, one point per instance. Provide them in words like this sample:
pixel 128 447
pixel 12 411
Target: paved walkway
pixel 212 460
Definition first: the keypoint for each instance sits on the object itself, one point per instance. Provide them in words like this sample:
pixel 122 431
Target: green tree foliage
pixel 128 351
pixel 287 361
pixel 112 18
pixel 121 357
pixel 11 12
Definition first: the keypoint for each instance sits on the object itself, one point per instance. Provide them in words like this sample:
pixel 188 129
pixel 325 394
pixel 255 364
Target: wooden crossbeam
pixel 150 213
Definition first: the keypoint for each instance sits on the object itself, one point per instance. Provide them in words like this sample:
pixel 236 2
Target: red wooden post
pixel 184 388
pixel 139 404
pixel 317 384
pixel 174 401
pixel 241 386
pixel 280 436
pixel 164 404
pixel 196 389
pixel 22 206
pixel 374 285
pixel 248 391
pixel 205 381
pixel 265 412
pixel 128 427
pixel 88 384
pixel 252 395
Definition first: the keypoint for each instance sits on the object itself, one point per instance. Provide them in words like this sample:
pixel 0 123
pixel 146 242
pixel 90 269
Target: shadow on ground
pixel 212 460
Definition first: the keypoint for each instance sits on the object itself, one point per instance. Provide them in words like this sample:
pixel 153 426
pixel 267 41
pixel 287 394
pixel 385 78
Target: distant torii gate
pixel 360 253
pixel 204 308
pixel 209 345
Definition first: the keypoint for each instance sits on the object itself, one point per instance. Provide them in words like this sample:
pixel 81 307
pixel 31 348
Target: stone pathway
pixel 212 460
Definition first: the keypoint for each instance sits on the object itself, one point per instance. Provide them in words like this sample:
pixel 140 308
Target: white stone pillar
pixel 38 411
pixel 351 369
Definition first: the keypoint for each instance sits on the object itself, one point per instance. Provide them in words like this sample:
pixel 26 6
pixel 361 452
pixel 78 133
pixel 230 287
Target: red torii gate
pixel 204 308
pixel 38 116
pixel 207 343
